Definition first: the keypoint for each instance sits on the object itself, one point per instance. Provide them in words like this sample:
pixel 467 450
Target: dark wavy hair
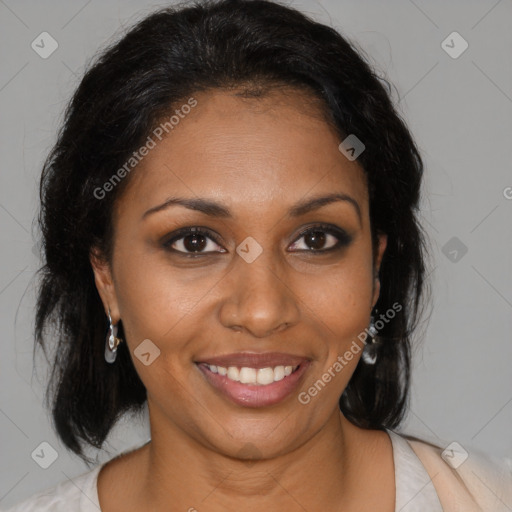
pixel 167 56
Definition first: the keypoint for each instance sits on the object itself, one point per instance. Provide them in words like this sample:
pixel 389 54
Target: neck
pixel 182 474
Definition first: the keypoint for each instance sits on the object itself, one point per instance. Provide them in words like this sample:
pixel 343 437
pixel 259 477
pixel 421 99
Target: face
pixel 267 284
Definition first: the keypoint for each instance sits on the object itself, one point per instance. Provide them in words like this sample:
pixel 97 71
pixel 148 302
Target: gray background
pixel 460 112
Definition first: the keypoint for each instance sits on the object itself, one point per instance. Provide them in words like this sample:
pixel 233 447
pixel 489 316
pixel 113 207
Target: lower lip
pixel 250 395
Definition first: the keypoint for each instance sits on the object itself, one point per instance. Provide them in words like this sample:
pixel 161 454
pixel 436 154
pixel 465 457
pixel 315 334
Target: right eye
pixel 192 242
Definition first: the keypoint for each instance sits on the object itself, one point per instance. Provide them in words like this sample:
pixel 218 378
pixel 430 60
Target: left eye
pixel 321 240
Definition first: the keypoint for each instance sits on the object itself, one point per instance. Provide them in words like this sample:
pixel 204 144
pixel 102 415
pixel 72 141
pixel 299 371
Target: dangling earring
pixel 111 342
pixel 369 354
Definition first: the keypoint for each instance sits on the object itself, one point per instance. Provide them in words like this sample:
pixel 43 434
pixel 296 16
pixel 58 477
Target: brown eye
pixel 315 239
pixel 321 239
pixel 193 241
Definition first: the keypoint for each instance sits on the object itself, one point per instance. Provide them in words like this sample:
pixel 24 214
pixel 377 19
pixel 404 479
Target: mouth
pixel 254 380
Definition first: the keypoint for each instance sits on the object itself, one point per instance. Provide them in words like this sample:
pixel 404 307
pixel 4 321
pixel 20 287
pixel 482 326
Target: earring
pixel 111 342
pixel 369 354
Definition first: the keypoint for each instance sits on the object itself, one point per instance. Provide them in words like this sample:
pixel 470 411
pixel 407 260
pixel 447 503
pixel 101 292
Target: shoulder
pixel 73 495
pixel 466 479
pixel 79 494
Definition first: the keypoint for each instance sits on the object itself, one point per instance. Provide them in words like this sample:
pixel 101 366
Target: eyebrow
pixel 214 209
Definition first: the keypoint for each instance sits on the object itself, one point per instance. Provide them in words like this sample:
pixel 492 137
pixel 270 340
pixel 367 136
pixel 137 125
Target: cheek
pixel 341 299
pixel 153 298
pixel 156 305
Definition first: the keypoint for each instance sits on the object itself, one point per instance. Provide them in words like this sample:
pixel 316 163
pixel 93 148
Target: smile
pixel 251 380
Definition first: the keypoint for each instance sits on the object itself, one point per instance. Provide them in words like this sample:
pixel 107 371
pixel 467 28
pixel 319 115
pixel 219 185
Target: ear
pixel 382 243
pixel 104 283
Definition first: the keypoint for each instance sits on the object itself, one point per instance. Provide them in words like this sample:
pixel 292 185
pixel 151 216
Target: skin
pixel 251 155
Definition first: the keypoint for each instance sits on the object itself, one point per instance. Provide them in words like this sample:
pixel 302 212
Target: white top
pixel 414 489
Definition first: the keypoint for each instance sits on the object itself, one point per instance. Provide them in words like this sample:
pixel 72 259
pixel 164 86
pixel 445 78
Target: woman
pixel 233 200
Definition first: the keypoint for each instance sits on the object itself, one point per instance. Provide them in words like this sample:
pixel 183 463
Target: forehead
pixel 245 152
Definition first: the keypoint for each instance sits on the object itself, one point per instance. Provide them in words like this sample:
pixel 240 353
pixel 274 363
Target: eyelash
pixel 343 237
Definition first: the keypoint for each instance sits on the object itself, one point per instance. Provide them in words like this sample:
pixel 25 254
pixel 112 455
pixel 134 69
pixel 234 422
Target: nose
pixel 259 298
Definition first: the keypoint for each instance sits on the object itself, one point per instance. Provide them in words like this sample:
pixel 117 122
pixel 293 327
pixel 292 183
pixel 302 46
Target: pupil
pixel 196 242
pixel 315 239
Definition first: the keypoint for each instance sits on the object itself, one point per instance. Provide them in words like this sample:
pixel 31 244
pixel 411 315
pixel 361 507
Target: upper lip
pixel 255 360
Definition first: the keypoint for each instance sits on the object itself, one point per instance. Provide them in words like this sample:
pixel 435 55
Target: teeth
pixel 265 376
pixel 279 373
pixel 254 376
pixel 234 373
pixel 247 375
